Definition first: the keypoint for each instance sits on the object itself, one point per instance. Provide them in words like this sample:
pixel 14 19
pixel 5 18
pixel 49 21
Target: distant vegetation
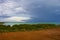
pixel 1 23
pixel 26 27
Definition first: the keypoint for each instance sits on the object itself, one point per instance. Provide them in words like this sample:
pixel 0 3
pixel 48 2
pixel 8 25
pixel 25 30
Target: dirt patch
pixel 48 34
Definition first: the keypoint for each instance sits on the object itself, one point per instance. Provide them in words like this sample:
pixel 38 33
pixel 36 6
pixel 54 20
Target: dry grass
pixel 48 34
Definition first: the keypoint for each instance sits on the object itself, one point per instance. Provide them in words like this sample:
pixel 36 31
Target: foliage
pixel 26 27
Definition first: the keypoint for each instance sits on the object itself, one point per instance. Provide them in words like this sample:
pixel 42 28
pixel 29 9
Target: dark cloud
pixel 1 1
pixel 40 10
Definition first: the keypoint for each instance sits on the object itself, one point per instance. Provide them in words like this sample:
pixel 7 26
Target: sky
pixel 29 10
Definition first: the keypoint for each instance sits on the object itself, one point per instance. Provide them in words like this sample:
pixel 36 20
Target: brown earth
pixel 48 34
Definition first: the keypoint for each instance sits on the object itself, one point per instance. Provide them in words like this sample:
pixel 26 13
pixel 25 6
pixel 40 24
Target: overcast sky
pixel 29 10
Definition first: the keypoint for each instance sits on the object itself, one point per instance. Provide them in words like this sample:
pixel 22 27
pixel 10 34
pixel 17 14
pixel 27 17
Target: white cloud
pixel 10 8
pixel 15 9
pixel 20 9
pixel 5 8
pixel 17 19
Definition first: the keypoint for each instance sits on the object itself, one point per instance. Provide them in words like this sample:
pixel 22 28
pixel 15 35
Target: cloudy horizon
pixel 29 10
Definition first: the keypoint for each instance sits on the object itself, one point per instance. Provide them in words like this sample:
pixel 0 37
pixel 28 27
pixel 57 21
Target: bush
pixel 26 27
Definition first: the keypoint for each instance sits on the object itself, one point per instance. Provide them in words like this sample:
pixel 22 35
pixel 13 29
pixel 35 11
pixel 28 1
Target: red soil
pixel 49 34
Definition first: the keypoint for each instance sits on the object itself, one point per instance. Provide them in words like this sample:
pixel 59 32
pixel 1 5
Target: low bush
pixel 26 27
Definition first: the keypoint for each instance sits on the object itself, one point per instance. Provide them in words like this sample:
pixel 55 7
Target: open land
pixel 45 34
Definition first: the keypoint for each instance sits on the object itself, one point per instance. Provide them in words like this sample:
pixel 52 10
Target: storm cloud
pixel 34 10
